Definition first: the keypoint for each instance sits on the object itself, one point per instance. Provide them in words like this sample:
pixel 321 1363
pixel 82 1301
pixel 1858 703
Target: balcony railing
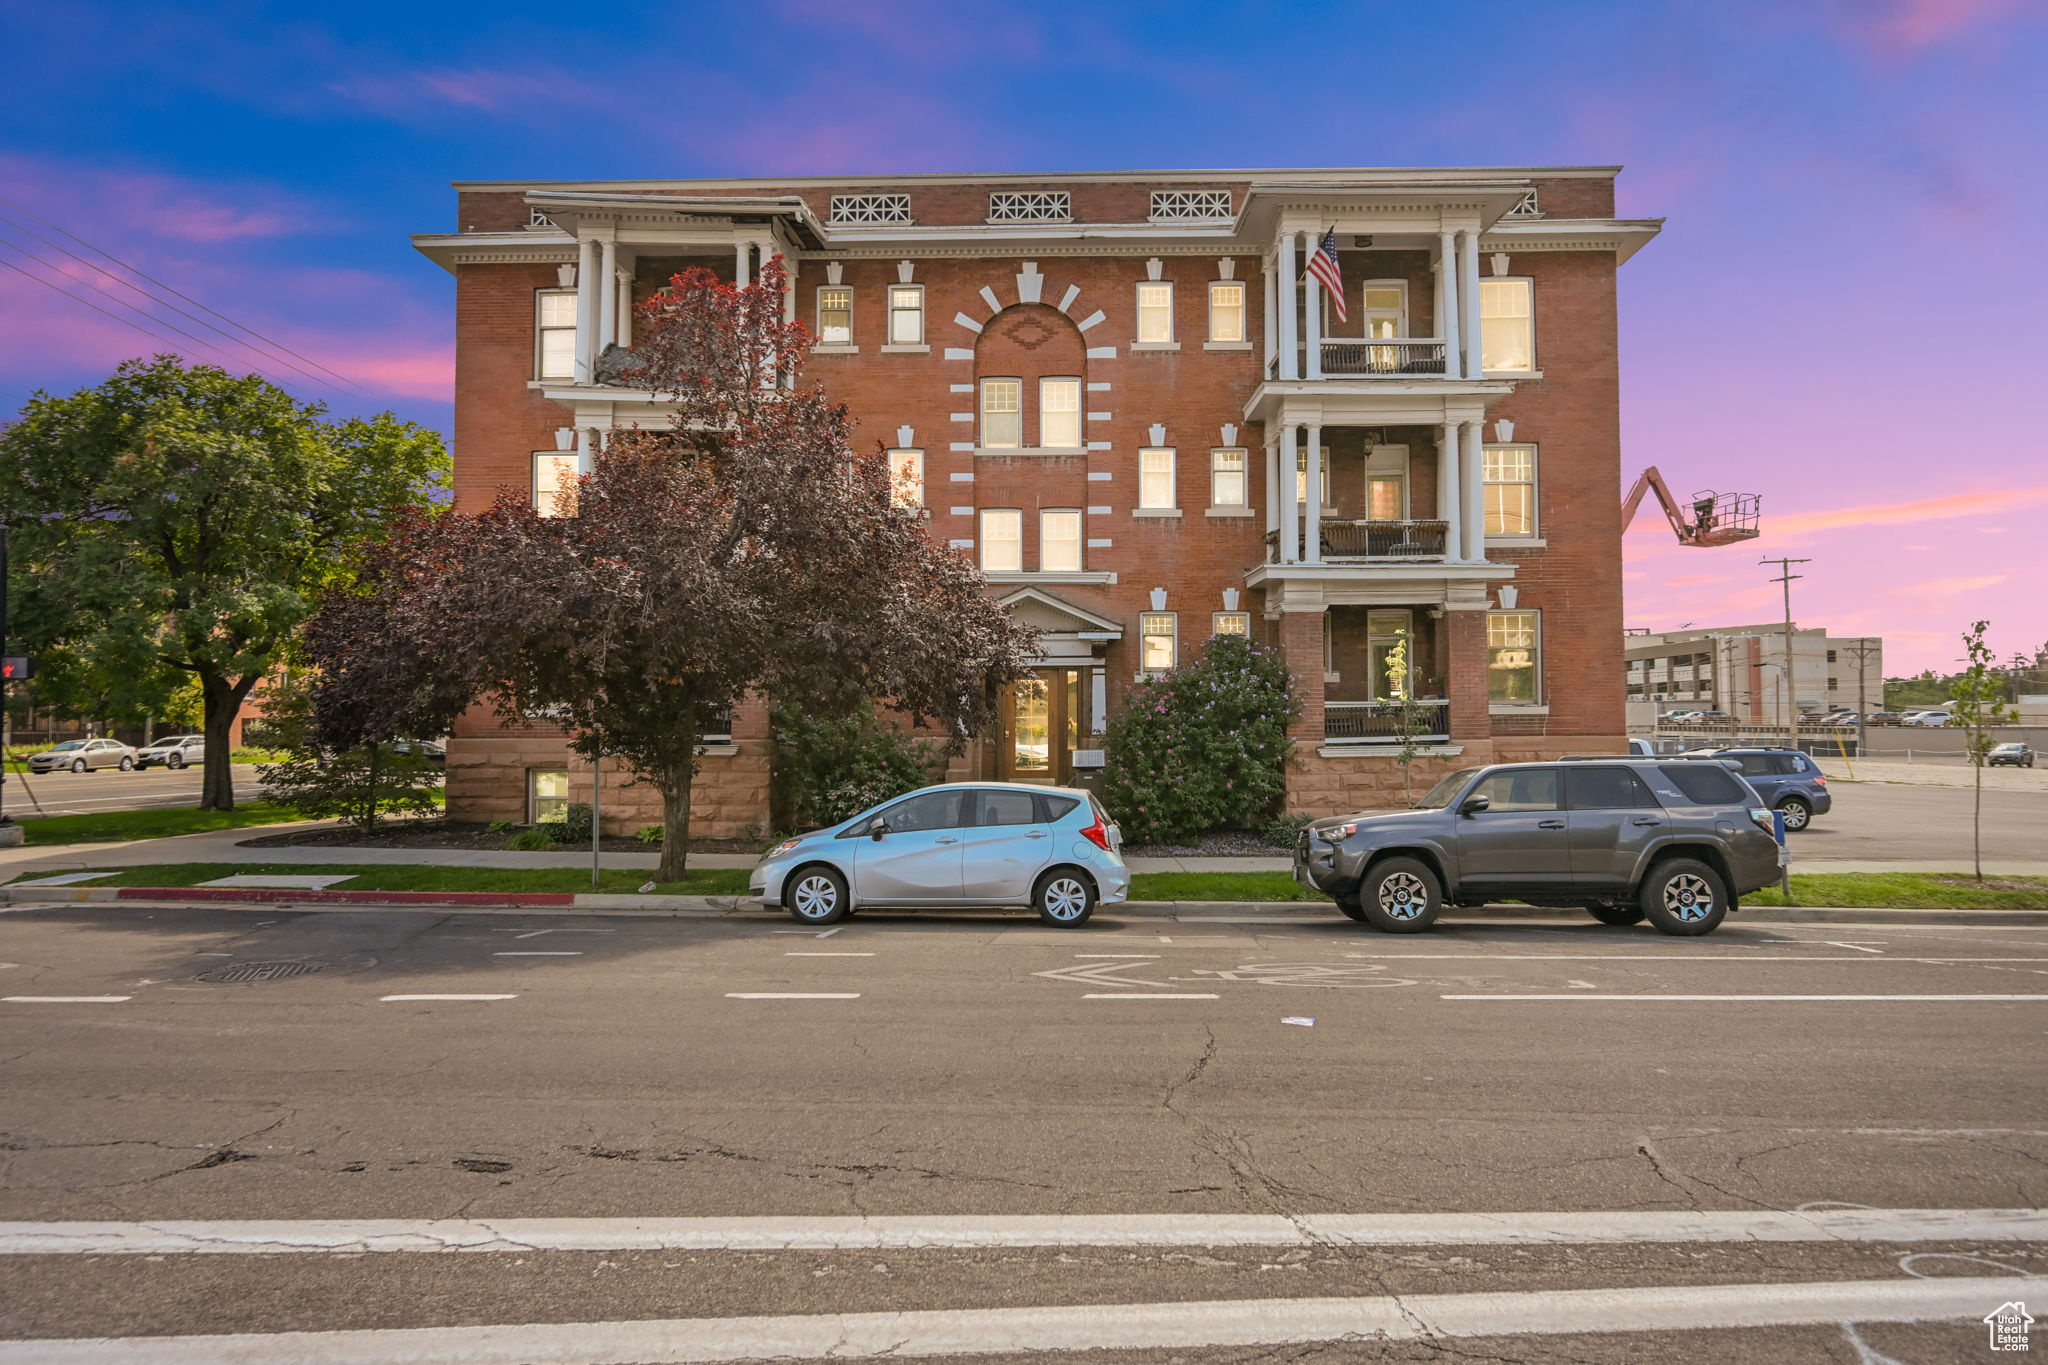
pixel 1379 722
pixel 1346 541
pixel 1348 356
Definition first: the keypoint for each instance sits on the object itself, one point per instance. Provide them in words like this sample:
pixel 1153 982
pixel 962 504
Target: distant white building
pixel 1743 671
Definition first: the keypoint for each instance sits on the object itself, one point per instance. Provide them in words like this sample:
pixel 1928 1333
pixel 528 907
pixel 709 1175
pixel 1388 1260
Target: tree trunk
pixel 675 823
pixel 1977 822
pixel 223 701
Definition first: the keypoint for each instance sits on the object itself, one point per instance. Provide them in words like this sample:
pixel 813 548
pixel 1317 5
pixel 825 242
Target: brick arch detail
pixel 1028 286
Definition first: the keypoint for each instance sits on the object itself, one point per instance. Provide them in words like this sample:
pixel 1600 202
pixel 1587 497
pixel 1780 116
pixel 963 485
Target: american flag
pixel 1322 263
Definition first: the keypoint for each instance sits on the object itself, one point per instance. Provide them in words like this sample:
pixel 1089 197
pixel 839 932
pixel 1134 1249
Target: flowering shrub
pixel 1203 746
pixel 826 771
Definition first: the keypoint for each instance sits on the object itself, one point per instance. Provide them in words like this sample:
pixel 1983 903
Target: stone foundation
pixel 1371 779
pixel 487 781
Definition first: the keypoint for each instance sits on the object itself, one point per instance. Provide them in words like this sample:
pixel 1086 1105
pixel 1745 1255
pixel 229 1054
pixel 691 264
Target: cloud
pixel 164 205
pixel 1691 579
pixel 1902 28
pixel 1903 513
pixel 532 93
pixel 1948 587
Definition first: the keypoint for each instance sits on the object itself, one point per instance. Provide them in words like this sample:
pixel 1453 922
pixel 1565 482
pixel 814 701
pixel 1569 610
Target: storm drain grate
pixel 259 971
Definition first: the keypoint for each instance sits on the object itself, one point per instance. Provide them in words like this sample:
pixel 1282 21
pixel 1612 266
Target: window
pixel 547 795
pixel 1155 478
pixel 1059 542
pixel 1227 485
pixel 1002 540
pixel 555 334
pixel 835 315
pixel 870 208
pixel 926 810
pixel 1706 784
pixel 1059 414
pixel 1385 312
pixel 1231 623
pixel 1519 789
pixel 1301 476
pixel 1507 325
pixel 1002 418
pixel 1226 310
pixel 1831 656
pixel 554 483
pixel 1030 206
pixel 1158 641
pixel 1512 642
pixel 906 478
pixel 1004 807
pixel 1833 684
pixel 906 315
pixel 1155 313
pixel 1386 497
pixel 1510 490
pixel 1605 789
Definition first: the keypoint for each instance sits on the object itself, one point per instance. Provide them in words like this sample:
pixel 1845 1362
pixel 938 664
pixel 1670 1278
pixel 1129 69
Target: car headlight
pixel 785 846
pixel 1337 834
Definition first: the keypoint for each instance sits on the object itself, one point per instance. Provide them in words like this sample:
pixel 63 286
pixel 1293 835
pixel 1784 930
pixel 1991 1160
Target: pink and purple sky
pixel 1839 315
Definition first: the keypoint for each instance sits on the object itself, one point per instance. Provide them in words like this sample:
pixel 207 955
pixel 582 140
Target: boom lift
pixel 1715 518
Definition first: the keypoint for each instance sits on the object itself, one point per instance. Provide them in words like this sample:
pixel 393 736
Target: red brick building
pixel 1116 393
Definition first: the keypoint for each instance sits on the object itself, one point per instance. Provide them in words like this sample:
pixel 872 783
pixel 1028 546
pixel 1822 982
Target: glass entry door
pixel 1041 726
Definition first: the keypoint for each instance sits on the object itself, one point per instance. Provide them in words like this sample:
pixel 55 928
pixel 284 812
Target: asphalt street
pixel 1878 821
pixel 964 1136
pixel 106 789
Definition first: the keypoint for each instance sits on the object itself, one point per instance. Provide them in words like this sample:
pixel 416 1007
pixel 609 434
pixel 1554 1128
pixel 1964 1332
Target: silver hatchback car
pixel 964 844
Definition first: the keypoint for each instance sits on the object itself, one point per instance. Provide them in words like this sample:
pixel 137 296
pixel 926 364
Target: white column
pixel 583 450
pixel 1468 288
pixel 1289 366
pixel 623 311
pixel 743 264
pixel 1447 490
pixel 1290 504
pixel 1267 269
pixel 1272 485
pixel 1312 304
pixel 1475 494
pixel 587 286
pixel 1447 302
pixel 1314 537
pixel 607 296
pixel 1099 710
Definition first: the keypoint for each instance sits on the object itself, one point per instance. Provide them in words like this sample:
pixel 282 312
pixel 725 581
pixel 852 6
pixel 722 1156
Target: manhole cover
pixel 260 971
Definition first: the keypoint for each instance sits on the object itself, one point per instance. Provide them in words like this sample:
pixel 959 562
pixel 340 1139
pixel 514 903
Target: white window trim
pixel 1216 619
pixel 1219 509
pixel 1172 342
pixel 851 345
pixel 533 797
pixel 1402 323
pixel 1080 446
pixel 570 377
pixel 981 414
pixel 1158 509
pixel 1080 539
pixel 895 457
pixel 1535 369
pixel 1541 697
pixel 1535 533
pixel 1244 318
pixel 981 539
pixel 533 477
pixel 889 341
pixel 1173 634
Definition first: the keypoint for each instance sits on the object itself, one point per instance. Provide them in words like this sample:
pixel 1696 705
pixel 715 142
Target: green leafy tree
pixel 827 769
pixel 1204 745
pixel 356 783
pixel 182 519
pixel 1979 695
pixel 1412 720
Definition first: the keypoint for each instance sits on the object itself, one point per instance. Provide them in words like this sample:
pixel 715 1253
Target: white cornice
pixel 1364 175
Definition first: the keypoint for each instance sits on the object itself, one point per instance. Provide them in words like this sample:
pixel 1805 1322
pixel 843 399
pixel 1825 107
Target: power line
pixel 161 303
pixel 187 297
pixel 156 336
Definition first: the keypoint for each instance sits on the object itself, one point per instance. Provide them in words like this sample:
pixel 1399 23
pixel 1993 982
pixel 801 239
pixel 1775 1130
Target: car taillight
pixel 1097 834
pixel 1762 820
pixel 1820 779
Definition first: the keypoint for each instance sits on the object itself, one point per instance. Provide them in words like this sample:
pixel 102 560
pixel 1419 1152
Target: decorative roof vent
pixel 1527 208
pixel 536 219
pixel 1030 206
pixel 1191 206
pixel 851 210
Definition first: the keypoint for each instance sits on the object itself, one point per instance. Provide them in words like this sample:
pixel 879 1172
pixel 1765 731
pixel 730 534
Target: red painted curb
pixel 254 893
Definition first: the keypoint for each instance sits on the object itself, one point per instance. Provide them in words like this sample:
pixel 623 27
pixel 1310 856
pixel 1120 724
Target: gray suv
pixel 1672 841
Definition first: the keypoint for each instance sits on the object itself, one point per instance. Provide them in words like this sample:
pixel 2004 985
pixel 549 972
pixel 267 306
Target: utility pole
pixel 1791 704
pixel 1863 649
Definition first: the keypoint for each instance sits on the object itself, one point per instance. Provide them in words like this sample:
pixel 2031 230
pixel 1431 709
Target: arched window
pixel 1030 369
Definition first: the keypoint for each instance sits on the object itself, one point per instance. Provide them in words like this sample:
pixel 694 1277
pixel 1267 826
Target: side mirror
pixel 1472 805
pixel 880 828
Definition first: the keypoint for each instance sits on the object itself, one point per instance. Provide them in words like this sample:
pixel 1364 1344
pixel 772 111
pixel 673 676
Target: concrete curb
pixel 1195 912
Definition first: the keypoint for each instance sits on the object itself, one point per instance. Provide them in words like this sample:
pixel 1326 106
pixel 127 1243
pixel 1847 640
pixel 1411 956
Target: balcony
pixel 1379 722
pixel 1363 542
pixel 1391 357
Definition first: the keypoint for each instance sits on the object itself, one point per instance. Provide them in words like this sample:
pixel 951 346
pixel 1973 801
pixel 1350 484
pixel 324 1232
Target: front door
pixel 1519 839
pixel 1041 727
pixel 917 857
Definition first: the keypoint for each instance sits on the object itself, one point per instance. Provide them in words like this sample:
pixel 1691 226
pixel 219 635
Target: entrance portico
pixel 1052 720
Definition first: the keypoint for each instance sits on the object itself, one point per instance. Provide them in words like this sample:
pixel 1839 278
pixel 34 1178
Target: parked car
pixel 1714 715
pixel 1678 717
pixel 1848 718
pixel 2015 755
pixel 176 752
pixel 1786 779
pixel 81 755
pixel 432 750
pixel 1669 840
pixel 1925 718
pixel 1883 718
pixel 962 844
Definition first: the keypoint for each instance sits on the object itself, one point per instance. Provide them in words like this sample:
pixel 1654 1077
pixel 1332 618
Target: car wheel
pixel 78 765
pixel 1614 914
pixel 1684 896
pixel 1351 908
pixel 127 764
pixel 1401 896
pixel 1064 898
pixel 174 762
pixel 1798 813
pixel 816 895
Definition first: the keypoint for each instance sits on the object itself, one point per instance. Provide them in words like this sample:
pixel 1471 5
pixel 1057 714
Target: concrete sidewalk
pixel 225 846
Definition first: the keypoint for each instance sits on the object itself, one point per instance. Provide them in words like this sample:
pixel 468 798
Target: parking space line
pixel 65 999
pixel 828 954
pixel 1146 995
pixel 1740 998
pixel 1669 957
pixel 792 995
pixel 536 954
pixel 447 997
pixel 1151 956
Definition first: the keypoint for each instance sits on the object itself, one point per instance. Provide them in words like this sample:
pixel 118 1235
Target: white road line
pixel 447 997
pixel 1668 957
pixel 535 952
pixel 1745 997
pixel 828 954
pixel 972 1231
pixel 1127 1326
pixel 791 995
pixel 65 999
pixel 1153 956
pixel 1146 995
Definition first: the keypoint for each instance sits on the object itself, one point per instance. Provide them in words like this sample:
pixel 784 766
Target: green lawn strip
pixel 1220 886
pixel 419 877
pixel 1910 891
pixel 116 826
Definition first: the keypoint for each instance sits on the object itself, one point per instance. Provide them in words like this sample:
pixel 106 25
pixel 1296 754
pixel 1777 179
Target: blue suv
pixel 1786 779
